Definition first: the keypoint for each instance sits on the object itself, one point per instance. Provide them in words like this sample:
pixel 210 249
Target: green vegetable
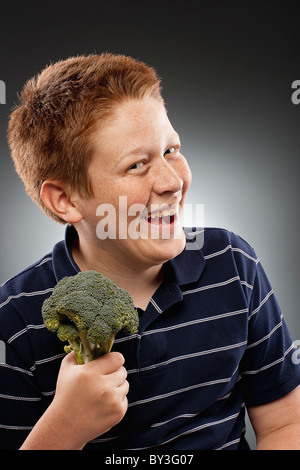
pixel 88 310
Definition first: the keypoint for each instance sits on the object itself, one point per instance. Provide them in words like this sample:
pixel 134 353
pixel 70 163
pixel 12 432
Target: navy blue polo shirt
pixel 211 342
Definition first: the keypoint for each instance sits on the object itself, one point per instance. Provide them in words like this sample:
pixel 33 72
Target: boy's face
pixel 137 160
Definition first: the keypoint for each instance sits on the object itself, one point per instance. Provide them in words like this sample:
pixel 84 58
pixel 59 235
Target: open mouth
pixel 165 217
pixel 161 223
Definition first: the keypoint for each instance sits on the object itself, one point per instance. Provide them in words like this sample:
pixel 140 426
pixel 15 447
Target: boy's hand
pixel 89 400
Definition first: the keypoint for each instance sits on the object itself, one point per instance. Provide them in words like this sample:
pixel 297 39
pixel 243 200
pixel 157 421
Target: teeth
pixel 165 213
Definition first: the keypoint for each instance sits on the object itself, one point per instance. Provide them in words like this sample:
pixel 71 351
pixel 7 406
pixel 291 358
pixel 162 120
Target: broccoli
pixel 88 310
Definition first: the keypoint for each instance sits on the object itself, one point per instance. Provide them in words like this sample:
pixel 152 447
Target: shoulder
pixel 36 273
pixel 22 295
pixel 228 259
pixel 221 239
pixel 224 246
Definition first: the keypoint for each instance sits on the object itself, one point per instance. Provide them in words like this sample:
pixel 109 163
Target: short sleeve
pixel 20 401
pixel 267 368
pixel 28 371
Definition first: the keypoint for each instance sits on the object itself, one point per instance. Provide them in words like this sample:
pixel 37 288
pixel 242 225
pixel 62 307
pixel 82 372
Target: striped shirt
pixel 211 342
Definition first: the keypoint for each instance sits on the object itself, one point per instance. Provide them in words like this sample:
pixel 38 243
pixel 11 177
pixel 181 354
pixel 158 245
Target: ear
pixel 57 200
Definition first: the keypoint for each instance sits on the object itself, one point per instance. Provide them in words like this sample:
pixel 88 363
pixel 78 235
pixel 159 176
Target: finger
pixel 122 392
pixel 112 362
pixel 117 378
pixel 124 388
pixel 108 363
pixel 69 359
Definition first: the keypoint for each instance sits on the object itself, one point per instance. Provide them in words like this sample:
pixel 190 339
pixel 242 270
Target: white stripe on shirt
pixel 26 294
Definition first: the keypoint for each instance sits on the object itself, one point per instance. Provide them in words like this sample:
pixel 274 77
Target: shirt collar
pixel 188 265
pixel 62 258
pixel 186 268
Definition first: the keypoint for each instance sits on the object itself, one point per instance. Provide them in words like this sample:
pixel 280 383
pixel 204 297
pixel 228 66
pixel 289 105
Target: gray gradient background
pixel 227 69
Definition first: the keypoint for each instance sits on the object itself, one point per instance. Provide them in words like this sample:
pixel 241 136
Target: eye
pixel 136 165
pixel 170 150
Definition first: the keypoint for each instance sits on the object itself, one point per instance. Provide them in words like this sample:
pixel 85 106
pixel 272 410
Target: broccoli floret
pixel 88 310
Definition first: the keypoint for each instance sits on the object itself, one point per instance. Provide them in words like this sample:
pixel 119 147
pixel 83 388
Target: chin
pixel 160 251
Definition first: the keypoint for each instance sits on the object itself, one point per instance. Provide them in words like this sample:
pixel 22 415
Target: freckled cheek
pixel 184 172
pixel 137 200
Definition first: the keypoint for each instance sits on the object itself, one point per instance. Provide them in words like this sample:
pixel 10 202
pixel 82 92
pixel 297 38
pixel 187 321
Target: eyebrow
pixel 142 149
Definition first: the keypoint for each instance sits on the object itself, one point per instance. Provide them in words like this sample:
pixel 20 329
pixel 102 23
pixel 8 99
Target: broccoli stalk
pixel 88 310
pixel 83 349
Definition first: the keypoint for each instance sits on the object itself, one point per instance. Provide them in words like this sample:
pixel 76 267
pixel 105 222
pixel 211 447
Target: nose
pixel 166 179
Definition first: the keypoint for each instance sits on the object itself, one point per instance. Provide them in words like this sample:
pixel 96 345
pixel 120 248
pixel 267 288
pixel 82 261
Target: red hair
pixel 49 132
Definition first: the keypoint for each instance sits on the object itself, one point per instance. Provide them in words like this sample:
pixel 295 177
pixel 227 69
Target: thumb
pixel 69 359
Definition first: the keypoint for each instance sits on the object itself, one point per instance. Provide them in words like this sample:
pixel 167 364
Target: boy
pixel 89 133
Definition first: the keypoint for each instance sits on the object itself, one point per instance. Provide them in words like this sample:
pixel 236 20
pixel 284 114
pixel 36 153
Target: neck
pixel 140 281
